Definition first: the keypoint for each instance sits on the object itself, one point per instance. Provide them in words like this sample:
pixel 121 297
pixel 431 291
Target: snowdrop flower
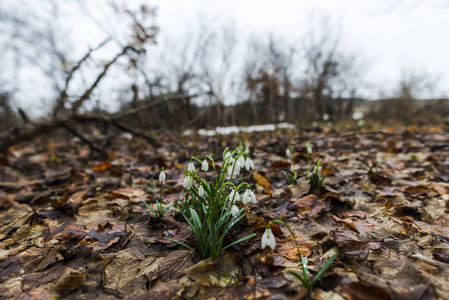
pixel 249 164
pixel 241 161
pixel 228 155
pixel 234 210
pixel 191 167
pixel 233 170
pixel 237 168
pixel 234 195
pixel 229 174
pixel 248 196
pixel 188 182
pixel 288 152
pixel 319 169
pixel 268 238
pixel 162 176
pixel 205 165
pixel 309 149
pixel 201 191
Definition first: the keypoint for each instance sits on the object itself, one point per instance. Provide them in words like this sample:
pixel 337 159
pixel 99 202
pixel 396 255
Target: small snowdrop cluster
pixel 211 204
pixel 238 165
pixel 248 196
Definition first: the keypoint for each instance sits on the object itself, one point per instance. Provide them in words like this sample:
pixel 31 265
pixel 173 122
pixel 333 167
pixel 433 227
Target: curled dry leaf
pixel 262 181
pixel 222 271
pixel 70 280
pixel 309 206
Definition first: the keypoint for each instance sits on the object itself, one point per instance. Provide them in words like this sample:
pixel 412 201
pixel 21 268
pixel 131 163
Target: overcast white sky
pixel 392 35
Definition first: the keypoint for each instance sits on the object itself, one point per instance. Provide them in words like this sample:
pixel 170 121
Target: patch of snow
pixel 237 129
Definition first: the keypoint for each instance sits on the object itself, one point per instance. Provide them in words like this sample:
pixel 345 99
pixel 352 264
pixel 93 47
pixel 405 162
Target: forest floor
pixel 74 226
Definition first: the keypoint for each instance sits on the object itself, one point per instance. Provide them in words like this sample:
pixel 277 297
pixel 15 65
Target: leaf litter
pixel 73 225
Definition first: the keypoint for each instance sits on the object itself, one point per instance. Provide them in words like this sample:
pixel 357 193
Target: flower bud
pixel 249 164
pixel 205 165
pixel 234 210
pixel 201 191
pixel 268 239
pixel 162 176
pixel 188 182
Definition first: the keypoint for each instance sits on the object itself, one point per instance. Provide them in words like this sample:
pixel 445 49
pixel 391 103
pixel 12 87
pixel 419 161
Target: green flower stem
pixel 304 266
pixel 161 212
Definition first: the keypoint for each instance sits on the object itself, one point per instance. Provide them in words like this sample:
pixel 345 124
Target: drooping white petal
pixel 205 165
pixel 248 164
pixel 268 239
pixel 188 182
pixel 253 197
pixel 201 191
pixel 252 164
pixel 309 150
pixel 162 176
pixel 234 196
pixel 288 152
pixel 237 169
pixel 234 210
pixel 246 197
pixel 191 167
pixel 229 174
pixel 227 155
pixel 241 161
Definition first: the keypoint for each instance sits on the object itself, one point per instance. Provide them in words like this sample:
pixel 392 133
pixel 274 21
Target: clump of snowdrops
pixel 315 180
pixel 212 207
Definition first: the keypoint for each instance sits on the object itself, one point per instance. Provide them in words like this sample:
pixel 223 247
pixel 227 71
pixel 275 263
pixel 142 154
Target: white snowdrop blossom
pixel 249 164
pixel 188 182
pixel 319 169
pixel 228 155
pixel 229 174
pixel 288 152
pixel 237 168
pixel 234 196
pixel 234 210
pixel 162 176
pixel 268 239
pixel 191 167
pixel 241 161
pixel 205 165
pixel 248 196
pixel 309 149
pixel 201 191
